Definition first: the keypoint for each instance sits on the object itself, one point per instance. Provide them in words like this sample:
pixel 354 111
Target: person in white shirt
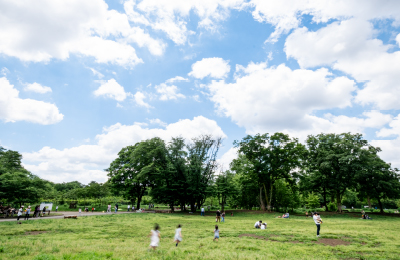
pixel 317 220
pixel 19 213
pixel 264 226
pixel 258 224
pixel 109 208
pixel 178 235
pixel 28 211
pixel 155 237
pixel 202 211
pixel 56 208
pixel 129 207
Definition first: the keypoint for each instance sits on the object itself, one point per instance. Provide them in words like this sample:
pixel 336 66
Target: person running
pixel 223 216
pixel 216 233
pixel 317 220
pixel 27 212
pixel 178 235
pixel 258 224
pixel 218 216
pixel 202 211
pixel 19 213
pixel 155 237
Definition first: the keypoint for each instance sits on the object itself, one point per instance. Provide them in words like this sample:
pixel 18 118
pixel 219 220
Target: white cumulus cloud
pixel 13 108
pixel 213 67
pixel 112 89
pixel 36 87
pixel 86 162
pixel 139 99
pixel 168 92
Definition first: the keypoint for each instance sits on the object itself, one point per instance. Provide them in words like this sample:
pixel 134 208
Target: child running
pixel 155 237
pixel 178 235
pixel 216 233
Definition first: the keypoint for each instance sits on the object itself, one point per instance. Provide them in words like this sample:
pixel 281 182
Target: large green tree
pixel 273 157
pixel 136 168
pixel 333 162
pixel 225 188
pixel 376 179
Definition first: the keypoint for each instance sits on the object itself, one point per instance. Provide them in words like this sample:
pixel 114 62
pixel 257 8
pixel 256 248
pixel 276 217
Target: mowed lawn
pixel 124 236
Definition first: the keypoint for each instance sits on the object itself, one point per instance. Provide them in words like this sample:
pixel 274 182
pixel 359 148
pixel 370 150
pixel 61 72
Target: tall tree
pixel 273 158
pixel 225 188
pixel 334 160
pixel 376 179
pixel 136 166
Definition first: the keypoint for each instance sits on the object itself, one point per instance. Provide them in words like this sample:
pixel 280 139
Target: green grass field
pixel 124 236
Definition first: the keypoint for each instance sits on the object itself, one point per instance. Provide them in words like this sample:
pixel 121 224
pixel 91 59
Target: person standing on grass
pixel 218 216
pixel 80 210
pixel 155 237
pixel 56 208
pixel 92 209
pixel 178 235
pixel 44 211
pixel 216 233
pixel 202 211
pixel 317 220
pixel 19 213
pixel 27 212
pixel 129 207
pixel 116 208
pixel 223 216
pixel 109 208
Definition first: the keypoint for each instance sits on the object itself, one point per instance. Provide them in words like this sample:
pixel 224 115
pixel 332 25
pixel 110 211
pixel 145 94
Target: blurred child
pixel 178 234
pixel 216 233
pixel 264 226
pixel 155 237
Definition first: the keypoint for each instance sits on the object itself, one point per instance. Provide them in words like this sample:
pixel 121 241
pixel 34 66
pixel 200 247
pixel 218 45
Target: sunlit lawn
pixel 124 236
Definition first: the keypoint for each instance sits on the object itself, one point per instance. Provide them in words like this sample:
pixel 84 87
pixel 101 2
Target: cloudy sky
pixel 79 80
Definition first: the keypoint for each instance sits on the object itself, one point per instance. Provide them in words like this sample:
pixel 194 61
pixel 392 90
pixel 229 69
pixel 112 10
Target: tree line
pixel 271 172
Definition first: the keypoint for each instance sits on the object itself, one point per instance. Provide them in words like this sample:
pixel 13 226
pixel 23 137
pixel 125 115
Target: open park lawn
pixel 124 236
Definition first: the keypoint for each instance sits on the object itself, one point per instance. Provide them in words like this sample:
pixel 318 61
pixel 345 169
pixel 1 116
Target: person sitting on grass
pixel 264 226
pixel 216 233
pixel 285 215
pixel 258 224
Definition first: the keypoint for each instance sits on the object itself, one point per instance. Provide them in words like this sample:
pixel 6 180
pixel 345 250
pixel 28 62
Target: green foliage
pixel 312 201
pixel 332 206
pixel 272 158
pixel 225 188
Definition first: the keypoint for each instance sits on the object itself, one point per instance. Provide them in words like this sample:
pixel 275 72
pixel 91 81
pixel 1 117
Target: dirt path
pixel 64 213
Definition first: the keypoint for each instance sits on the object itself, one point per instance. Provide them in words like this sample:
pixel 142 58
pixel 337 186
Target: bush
pixel 332 206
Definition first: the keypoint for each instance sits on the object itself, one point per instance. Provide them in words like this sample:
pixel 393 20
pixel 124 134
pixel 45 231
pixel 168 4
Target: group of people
pixel 220 215
pixel 260 225
pixel 155 236
pixel 26 212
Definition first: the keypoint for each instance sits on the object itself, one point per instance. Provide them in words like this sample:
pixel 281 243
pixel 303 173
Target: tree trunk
pixel 369 202
pixel 270 199
pixel 339 202
pixel 139 199
pixel 262 204
pixel 324 195
pixel 380 205
pixel 192 207
pixel 223 204
pixel 171 205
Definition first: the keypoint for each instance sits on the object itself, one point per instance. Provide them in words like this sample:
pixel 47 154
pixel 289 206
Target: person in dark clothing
pixel 218 216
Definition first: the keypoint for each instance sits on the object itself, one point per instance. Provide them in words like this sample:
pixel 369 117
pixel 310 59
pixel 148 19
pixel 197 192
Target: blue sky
pixel 79 81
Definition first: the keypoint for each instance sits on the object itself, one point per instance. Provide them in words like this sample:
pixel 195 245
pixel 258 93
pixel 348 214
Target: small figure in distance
pixel 264 226
pixel 231 214
pixel 80 210
pixel 216 233
pixel 155 237
pixel 218 216
pixel 223 216
pixel 178 235
pixel 258 224
pixel 306 214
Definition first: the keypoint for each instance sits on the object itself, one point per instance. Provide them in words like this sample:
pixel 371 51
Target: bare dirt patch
pixel 37 232
pixel 332 242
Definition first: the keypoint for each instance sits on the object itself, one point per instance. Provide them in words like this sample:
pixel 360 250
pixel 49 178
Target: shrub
pixel 332 206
